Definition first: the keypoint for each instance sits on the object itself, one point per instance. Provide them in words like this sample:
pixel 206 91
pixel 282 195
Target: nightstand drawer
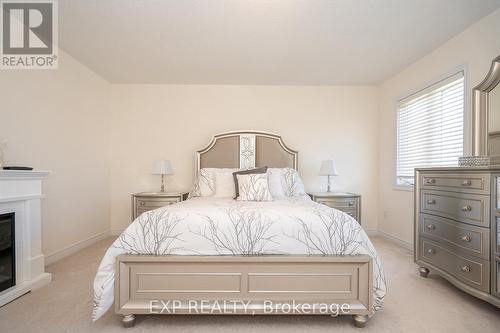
pixel 463 207
pixel 346 202
pixel 146 201
pixel 339 203
pixel 474 272
pixel 155 203
pixel 350 212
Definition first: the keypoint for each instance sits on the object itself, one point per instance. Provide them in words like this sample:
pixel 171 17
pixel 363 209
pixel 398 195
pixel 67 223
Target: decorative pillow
pixel 254 187
pixel 245 172
pixel 204 185
pixel 285 182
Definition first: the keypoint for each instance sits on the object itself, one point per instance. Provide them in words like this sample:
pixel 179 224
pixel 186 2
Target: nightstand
pixel 145 201
pixel 349 203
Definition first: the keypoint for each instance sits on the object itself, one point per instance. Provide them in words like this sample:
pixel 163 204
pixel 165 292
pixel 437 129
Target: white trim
pixel 116 232
pixel 395 240
pixel 22 197
pixel 406 188
pixel 24 287
pixel 371 232
pixel 23 174
pixel 71 249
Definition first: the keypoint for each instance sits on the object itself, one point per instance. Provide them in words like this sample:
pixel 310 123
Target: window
pixel 430 128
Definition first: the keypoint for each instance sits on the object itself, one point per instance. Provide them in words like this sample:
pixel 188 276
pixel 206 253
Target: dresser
pixel 349 203
pixel 145 201
pixel 457 228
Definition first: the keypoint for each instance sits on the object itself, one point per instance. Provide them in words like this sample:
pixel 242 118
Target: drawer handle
pixel 466 208
pixel 466 269
pixel 465 238
pixel 430 181
pixel 351 203
pixel 142 203
pixel 431 227
pixel 431 202
pixel 466 182
pixel 431 251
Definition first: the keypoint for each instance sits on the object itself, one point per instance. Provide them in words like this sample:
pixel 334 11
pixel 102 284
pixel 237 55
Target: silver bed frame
pixel 252 285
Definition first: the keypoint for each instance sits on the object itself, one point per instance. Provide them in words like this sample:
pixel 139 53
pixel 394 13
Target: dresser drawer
pixel 463 182
pixel 473 272
pixel 463 207
pixel 468 239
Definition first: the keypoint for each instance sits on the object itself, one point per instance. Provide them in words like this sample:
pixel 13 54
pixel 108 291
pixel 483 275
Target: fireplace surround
pixel 21 197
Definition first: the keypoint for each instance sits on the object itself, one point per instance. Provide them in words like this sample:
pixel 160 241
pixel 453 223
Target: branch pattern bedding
pixel 223 226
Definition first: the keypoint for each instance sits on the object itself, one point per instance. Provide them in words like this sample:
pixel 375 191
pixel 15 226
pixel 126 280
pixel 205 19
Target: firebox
pixel 7 251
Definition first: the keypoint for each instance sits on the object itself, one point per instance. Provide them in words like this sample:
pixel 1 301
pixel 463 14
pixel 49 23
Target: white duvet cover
pixel 214 226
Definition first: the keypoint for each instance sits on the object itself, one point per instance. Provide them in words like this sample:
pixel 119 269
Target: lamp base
pixel 162 188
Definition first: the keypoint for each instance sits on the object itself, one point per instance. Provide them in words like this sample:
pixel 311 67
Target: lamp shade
pixel 328 168
pixel 162 167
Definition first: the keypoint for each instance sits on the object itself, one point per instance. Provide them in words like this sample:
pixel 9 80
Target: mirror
pixel 486 114
pixel 494 121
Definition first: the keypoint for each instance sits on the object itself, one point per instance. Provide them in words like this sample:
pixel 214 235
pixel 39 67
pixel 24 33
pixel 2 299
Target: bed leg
pixel 360 320
pixel 128 321
pixel 424 272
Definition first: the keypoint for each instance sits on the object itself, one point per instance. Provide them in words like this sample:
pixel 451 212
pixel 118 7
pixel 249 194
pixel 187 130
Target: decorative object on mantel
pixel 328 169
pixel 19 168
pixel 3 145
pixel 162 167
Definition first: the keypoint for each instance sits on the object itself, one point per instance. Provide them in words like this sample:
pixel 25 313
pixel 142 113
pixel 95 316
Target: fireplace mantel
pixel 21 193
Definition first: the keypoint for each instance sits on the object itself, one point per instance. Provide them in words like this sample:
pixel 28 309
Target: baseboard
pixel 69 250
pixel 116 232
pixel 393 239
pixel 371 232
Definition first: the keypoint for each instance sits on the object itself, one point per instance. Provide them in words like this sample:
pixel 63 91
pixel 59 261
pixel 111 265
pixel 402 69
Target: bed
pixel 216 255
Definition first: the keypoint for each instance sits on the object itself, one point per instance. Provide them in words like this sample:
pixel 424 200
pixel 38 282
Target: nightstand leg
pixel 128 321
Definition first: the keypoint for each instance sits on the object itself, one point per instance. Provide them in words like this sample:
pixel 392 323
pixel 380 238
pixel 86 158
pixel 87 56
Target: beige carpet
pixel 413 304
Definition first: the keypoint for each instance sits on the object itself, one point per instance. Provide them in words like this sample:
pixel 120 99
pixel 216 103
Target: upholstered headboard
pixel 246 150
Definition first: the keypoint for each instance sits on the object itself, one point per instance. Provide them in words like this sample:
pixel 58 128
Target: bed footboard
pixel 246 285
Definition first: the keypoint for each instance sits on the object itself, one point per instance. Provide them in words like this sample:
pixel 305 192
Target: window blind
pixel 430 128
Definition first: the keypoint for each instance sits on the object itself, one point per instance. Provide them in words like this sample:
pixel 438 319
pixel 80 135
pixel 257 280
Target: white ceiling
pixel 324 42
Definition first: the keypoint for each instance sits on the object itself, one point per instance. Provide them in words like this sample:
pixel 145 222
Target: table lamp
pixel 162 167
pixel 328 169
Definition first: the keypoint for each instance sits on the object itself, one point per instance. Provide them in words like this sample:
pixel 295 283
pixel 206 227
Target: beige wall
pixel 58 120
pixel 100 140
pixel 474 48
pixel 152 122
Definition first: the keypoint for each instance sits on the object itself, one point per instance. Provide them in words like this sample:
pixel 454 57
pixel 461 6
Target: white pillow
pixel 224 182
pixel 285 182
pixel 254 187
pixel 275 186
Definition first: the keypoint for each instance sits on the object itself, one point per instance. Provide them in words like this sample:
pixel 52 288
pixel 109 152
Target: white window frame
pixel 467 118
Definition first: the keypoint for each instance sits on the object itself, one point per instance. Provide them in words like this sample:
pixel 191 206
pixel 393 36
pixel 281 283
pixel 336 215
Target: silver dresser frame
pixel 491 287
